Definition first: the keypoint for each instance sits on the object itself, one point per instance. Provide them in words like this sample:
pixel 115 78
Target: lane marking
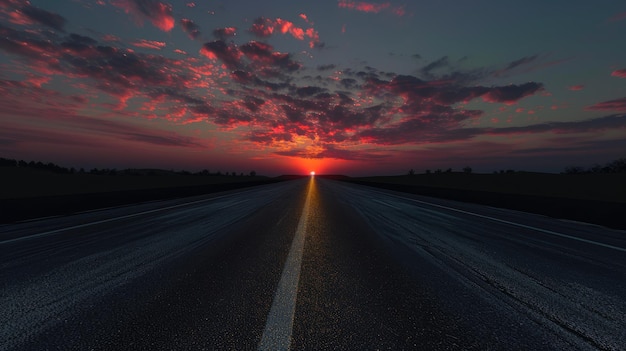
pixel 107 220
pixel 512 223
pixel 279 324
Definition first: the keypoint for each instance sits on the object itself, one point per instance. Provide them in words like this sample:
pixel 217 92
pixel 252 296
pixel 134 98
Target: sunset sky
pixel 333 86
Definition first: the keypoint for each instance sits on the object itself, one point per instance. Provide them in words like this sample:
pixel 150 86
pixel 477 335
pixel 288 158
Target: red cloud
pixel 265 27
pixel 149 44
pixel 370 7
pixel 576 87
pixel 611 105
pixel 620 73
pixel 157 12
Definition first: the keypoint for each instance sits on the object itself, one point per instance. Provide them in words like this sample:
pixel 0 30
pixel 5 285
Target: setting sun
pixel 312 173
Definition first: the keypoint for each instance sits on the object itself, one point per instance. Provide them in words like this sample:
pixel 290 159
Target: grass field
pixel 24 182
pixel 602 187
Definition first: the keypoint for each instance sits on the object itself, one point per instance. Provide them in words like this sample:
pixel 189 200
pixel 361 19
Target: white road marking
pixel 279 324
pixel 511 223
pixel 107 220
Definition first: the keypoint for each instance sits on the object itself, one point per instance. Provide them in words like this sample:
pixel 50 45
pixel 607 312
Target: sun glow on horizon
pixel 312 173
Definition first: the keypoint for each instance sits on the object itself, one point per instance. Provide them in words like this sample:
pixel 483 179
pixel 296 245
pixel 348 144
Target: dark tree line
pixel 616 166
pixel 466 170
pixel 54 168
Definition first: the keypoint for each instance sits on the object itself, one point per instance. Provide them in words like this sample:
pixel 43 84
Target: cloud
pixel 60 112
pixel 229 54
pixel 611 105
pixel 576 87
pixel 189 27
pixel 368 7
pixel 157 12
pixel 224 33
pixel 264 54
pixel 620 73
pixel 258 94
pixel 266 27
pixel 610 122
pixel 260 56
pixel 437 64
pixel 514 64
pixel 23 13
pixel 149 44
pixel 334 152
pixel 510 94
pixel 326 67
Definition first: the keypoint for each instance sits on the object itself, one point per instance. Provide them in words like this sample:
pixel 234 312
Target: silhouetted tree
pixel 252 173
pixel 411 172
pixel 467 169
pixel 428 171
pixel 5 162
pixel 449 170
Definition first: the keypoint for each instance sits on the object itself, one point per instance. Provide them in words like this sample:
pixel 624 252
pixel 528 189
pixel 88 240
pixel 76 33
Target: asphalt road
pixel 311 264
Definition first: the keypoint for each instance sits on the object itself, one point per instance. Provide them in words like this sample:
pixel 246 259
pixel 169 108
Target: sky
pixel 337 87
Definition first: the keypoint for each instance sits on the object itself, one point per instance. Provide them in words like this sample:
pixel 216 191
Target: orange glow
pixel 312 173
pixel 303 165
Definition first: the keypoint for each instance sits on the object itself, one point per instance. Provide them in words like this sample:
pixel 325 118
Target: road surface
pixel 311 264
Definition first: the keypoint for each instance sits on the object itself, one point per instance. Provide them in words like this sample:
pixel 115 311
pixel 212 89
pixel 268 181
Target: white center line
pixel 279 324
pixel 512 223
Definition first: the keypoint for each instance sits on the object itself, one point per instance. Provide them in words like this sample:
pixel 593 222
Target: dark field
pixel 23 182
pixel 602 187
pixel 592 198
pixel 595 198
pixel 29 193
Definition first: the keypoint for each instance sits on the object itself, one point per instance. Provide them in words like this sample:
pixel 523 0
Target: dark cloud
pixel 309 91
pixel 247 78
pixel 610 122
pixel 264 54
pixel 24 13
pixel 157 12
pixel 44 17
pixel 190 28
pixel 229 54
pixel 224 33
pixel 435 65
pixel 326 67
pixel 253 103
pixel 516 63
pixel 512 93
